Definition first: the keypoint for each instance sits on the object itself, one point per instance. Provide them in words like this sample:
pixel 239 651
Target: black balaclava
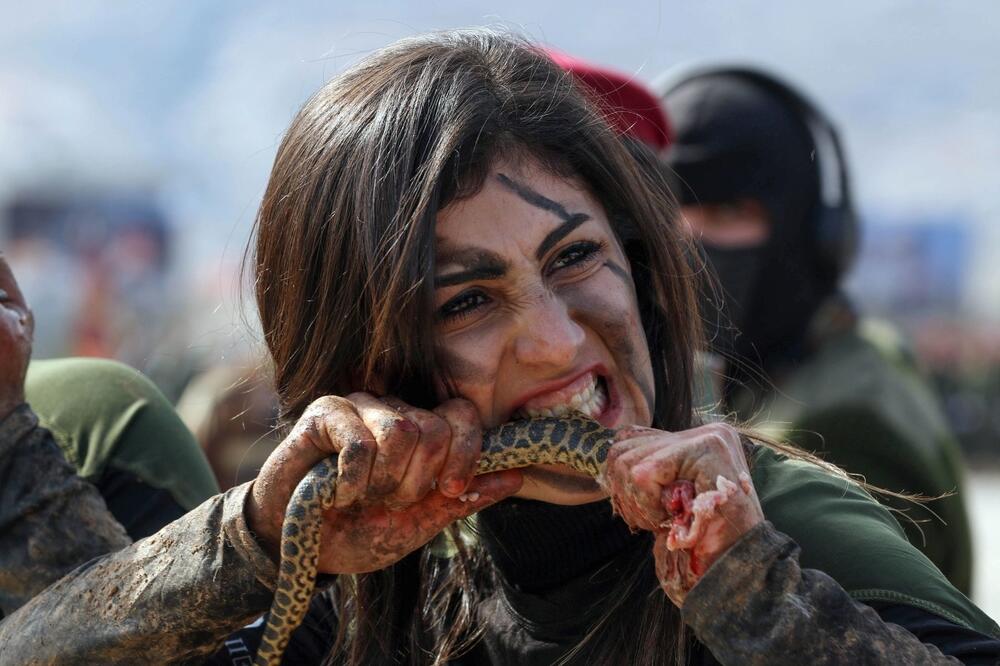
pixel 538 546
pixel 736 140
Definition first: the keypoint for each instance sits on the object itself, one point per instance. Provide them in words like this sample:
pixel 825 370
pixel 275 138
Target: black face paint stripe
pixel 532 197
pixel 619 271
pixel 570 220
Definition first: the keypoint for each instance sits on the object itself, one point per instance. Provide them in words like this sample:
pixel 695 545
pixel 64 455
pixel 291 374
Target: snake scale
pixel 576 441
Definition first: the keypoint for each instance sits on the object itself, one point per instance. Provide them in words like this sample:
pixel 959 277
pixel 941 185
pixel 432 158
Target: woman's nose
pixel 548 335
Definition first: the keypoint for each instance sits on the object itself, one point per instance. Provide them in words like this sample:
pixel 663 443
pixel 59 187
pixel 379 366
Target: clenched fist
pixel 404 474
pixel 691 488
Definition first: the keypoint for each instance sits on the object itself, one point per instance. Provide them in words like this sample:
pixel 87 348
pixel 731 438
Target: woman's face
pixel 537 312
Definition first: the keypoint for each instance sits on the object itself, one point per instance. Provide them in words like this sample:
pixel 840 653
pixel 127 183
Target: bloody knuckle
pixel 393 431
pixel 402 427
pixel 356 450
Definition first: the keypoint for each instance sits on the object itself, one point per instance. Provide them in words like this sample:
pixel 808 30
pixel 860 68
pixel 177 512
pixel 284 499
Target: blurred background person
pixel 233 413
pixel 92 456
pixel 628 104
pixel 764 184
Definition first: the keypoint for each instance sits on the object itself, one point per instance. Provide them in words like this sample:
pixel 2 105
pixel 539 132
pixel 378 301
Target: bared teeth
pixel 590 402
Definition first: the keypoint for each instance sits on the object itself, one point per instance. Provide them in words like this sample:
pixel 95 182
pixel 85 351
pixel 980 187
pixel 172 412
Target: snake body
pixel 576 441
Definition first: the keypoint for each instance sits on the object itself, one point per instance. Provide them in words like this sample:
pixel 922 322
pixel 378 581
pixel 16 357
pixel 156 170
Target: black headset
pixel 835 222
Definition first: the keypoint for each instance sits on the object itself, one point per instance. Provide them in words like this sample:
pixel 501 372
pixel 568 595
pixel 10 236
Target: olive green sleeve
pixel 852 538
pixel 170 598
pixel 104 413
pixel 859 440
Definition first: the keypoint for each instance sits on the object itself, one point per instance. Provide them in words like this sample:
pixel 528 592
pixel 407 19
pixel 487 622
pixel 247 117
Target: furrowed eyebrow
pixel 479 264
pixel 482 273
pixel 570 220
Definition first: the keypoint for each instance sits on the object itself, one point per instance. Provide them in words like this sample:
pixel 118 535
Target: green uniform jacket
pixel 860 402
pixel 105 414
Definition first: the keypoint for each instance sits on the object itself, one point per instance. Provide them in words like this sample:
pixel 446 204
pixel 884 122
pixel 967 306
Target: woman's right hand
pixel 404 475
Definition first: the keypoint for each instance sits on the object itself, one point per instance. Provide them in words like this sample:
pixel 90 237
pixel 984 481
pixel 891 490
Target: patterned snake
pixel 578 442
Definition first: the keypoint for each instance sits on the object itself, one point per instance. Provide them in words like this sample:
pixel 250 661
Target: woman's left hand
pixel 691 488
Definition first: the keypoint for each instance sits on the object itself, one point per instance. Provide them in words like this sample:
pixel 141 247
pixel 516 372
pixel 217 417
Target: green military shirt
pixel 860 403
pixel 843 532
pixel 107 415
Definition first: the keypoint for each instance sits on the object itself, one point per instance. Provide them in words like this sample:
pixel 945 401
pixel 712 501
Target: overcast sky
pixel 189 98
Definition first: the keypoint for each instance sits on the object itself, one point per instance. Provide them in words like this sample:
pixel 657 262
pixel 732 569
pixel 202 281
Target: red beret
pixel 627 104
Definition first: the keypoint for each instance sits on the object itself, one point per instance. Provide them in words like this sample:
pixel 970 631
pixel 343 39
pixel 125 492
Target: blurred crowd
pixel 101 271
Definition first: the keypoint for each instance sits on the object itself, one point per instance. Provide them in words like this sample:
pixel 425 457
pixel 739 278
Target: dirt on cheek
pixel 616 320
pixel 464 370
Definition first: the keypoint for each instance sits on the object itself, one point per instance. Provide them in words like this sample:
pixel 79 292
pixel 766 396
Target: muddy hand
pixel 404 474
pixel 691 488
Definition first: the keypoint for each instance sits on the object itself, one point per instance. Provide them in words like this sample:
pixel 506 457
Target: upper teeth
pixel 590 402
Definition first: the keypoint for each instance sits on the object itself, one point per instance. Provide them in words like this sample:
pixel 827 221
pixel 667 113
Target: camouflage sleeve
pixel 51 520
pixel 755 605
pixel 170 598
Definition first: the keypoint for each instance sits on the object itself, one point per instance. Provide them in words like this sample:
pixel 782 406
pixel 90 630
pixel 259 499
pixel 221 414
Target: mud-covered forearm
pixel 756 605
pixel 51 520
pixel 169 598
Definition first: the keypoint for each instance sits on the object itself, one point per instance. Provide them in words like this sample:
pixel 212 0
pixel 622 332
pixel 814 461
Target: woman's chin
pixel 557 484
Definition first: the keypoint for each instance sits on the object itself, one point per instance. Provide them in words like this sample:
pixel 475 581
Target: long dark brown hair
pixel 344 264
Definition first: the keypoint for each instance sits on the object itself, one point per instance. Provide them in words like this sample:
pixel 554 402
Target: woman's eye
pixel 462 305
pixel 577 255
